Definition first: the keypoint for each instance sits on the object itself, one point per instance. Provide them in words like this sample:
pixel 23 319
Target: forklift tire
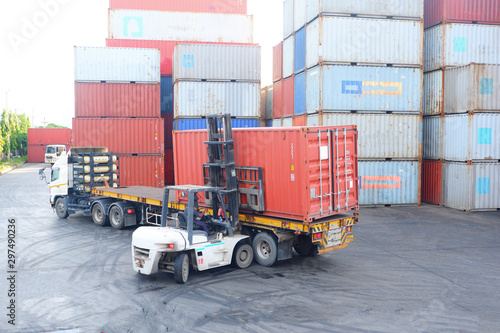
pixel 181 268
pixel 61 209
pixel 99 216
pixel 242 256
pixel 265 249
pixel 116 218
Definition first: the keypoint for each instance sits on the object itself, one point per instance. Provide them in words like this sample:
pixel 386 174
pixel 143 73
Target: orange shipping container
pixel 432 177
pixel 278 62
pixel 278 99
pixel 49 136
pixel 141 171
pixel 299 120
pixel 36 153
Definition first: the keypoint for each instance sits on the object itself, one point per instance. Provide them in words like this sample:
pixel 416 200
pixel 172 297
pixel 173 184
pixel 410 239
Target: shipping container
pixel 433 137
pixel 278 62
pixel 36 153
pixel 117 100
pixel 269 102
pixel 301 167
pixel 389 183
pixel 180 26
pixel 288 18
pixel 214 62
pixel 185 124
pixel 364 88
pixel 287 122
pixel 406 9
pixel 299 58
pixel 263 100
pixel 278 99
pixel 473 186
pixel 433 92
pixel 199 99
pixel 288 53
pixel 117 64
pixel 300 120
pixel 465 11
pixel 142 171
pixel 288 97
pixel 168 126
pixel 432 177
pixel 382 136
pixel 121 135
pixel 201 6
pixel 299 14
pixel 269 123
pixel 455 44
pixel 277 122
pixel 49 136
pixel 472 88
pixel 364 41
pixel 167 95
pixel 299 94
pixel 169 167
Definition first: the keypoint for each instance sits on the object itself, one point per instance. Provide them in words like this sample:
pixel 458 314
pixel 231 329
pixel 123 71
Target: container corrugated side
pixel 288 96
pixel 263 100
pixel 199 99
pixel 408 9
pixel 297 179
pixel 472 88
pixel 467 11
pixel 269 102
pixel 433 92
pixel 299 58
pixel 180 26
pixel 278 99
pixel 167 95
pixel 278 62
pixel 113 64
pixel 389 183
pixel 455 44
pixel 300 120
pixel 299 14
pixel 288 54
pixel 120 135
pixel 277 122
pixel 203 6
pixel 36 153
pixel 472 137
pixel 168 122
pixel 214 62
pixel 382 136
pixel 49 136
pixel 364 88
pixel 169 167
pixel 433 138
pixel 186 124
pixel 117 100
pixel 287 18
pixel 473 186
pixel 288 122
pixel 142 171
pixel 364 41
pixel 432 178
pixel 299 95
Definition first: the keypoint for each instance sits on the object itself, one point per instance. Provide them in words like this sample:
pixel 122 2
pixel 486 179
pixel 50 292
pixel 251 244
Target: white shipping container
pixel 432 141
pixel 474 87
pixel 213 62
pixel 473 186
pixel 365 41
pixel 287 18
pixel 456 44
pixel 287 122
pixel 288 52
pixel 199 99
pixel 409 9
pixel 277 122
pixel 299 14
pixel 180 26
pixel 433 92
pixel 116 64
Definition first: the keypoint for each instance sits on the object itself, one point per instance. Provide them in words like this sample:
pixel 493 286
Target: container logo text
pixel 486 86
pixel 133 26
pixel 372 88
pixel 380 182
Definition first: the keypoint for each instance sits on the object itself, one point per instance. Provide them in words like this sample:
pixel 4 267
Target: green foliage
pixel 13 131
pixel 52 125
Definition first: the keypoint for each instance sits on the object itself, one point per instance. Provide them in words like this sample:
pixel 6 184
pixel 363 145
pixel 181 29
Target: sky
pixel 37 38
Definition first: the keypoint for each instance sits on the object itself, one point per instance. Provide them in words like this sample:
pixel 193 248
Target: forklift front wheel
pixel 243 256
pixel 181 268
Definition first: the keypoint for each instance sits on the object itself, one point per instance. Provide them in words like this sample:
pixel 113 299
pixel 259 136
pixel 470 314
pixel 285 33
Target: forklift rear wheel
pixel 116 218
pixel 243 256
pixel 61 209
pixel 265 249
pixel 98 215
pixel 181 268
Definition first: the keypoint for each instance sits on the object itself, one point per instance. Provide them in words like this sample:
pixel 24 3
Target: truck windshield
pixel 51 150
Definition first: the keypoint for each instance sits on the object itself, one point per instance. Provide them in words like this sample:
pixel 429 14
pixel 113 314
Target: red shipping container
pixel 201 6
pixel 299 120
pixel 49 136
pixel 278 99
pixel 301 166
pixel 117 100
pixel 169 167
pixel 141 171
pixel 278 62
pixel 432 176
pixel 461 11
pixel 36 153
pixel 168 121
pixel 121 135
pixel 288 96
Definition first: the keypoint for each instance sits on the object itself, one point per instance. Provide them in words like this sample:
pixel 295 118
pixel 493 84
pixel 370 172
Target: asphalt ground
pixel 409 269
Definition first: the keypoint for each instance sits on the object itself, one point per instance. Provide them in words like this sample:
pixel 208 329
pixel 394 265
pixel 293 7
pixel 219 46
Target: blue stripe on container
pixel 185 124
pixel 483 186
pixel 167 96
pixel 299 99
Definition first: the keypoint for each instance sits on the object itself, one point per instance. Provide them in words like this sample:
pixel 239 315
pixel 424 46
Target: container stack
pixel 266 104
pixel 358 63
pixel 117 106
pixel 461 150
pixel 40 138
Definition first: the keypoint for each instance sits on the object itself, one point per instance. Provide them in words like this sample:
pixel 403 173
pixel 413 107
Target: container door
pixel 343 143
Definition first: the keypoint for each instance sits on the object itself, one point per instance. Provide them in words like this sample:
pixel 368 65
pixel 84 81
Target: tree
pixel 1 140
pixel 6 131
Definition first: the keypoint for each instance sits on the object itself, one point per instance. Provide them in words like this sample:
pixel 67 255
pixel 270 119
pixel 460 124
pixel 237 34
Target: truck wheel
pixel 181 268
pixel 242 256
pixel 304 246
pixel 99 216
pixel 61 209
pixel 116 218
pixel 265 249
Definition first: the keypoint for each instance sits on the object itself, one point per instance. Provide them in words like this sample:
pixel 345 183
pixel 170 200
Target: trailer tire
pixel 304 246
pixel 99 215
pixel 181 268
pixel 61 209
pixel 116 218
pixel 265 249
pixel 242 256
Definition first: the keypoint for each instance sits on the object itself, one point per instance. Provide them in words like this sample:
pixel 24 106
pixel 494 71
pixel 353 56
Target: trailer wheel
pixel 116 218
pixel 242 256
pixel 181 268
pixel 304 246
pixel 265 249
pixel 61 209
pixel 99 216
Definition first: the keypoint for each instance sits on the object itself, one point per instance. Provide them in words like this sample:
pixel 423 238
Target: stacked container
pixel 358 63
pixel 40 138
pixel 462 104
pixel 117 106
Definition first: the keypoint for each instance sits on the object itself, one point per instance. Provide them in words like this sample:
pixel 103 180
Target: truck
pixel 53 152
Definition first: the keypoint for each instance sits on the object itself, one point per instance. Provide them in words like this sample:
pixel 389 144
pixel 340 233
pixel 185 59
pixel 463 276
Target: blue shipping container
pixel 167 96
pixel 364 88
pixel 389 183
pixel 300 51
pixel 185 124
pixel 299 98
pixel 269 123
